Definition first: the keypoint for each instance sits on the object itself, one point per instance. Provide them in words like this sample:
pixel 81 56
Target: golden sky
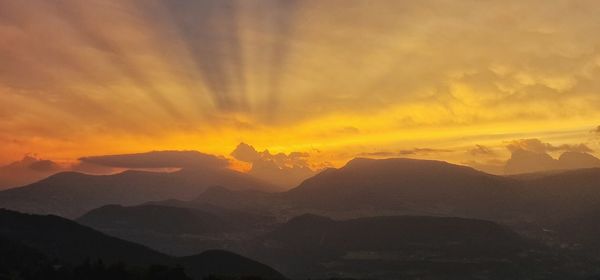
pixel 452 80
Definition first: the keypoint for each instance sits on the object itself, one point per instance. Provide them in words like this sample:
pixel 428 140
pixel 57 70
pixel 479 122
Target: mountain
pixel 404 247
pixel 406 185
pixel 72 244
pixel 369 187
pixel 25 171
pixel 177 230
pixel 71 194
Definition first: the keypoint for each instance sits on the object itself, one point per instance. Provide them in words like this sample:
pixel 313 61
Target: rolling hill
pixel 177 230
pixel 72 244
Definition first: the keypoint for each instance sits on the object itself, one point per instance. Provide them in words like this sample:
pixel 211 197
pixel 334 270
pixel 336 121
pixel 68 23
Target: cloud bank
pixel 532 155
pixel 287 170
pixel 160 159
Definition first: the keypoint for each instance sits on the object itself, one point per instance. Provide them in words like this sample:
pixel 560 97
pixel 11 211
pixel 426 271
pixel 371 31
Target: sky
pixel 319 82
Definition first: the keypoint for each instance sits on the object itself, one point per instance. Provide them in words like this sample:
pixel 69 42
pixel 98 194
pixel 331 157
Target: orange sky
pixel 336 79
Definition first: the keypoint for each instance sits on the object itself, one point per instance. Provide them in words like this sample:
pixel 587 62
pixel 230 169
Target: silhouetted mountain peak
pixel 401 184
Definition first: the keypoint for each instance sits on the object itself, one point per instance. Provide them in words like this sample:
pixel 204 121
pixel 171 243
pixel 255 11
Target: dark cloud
pixel 481 150
pixel 159 159
pixel 527 161
pixel 537 146
pixel 280 169
pixel 597 129
pixel 44 165
pixel 531 155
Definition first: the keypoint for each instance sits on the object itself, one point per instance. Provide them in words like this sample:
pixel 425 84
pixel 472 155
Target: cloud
pixel 537 146
pixel 481 150
pixel 597 130
pixel 532 155
pixel 527 161
pixel 159 159
pixel 280 169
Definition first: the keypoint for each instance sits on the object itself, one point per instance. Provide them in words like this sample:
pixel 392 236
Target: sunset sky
pixel 461 81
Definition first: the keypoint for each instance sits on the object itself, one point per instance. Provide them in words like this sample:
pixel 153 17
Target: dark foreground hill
pixel 71 194
pixel 409 247
pixel 69 244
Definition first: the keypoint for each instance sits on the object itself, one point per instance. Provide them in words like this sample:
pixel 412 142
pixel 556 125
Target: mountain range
pixel 71 194
pixel 546 217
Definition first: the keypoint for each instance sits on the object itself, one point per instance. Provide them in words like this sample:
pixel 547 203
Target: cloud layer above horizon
pixel 456 80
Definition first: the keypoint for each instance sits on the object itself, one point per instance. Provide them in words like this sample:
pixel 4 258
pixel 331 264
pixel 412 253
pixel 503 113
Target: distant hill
pixel 561 195
pixel 154 218
pixel 71 194
pixel 177 230
pixel 71 243
pixel 404 247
